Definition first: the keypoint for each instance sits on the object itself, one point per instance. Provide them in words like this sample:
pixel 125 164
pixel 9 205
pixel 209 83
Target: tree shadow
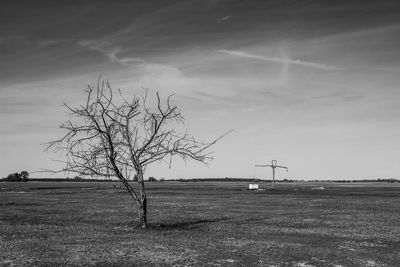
pixel 185 225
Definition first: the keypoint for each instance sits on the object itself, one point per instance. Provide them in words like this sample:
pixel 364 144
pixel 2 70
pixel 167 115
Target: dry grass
pixel 198 224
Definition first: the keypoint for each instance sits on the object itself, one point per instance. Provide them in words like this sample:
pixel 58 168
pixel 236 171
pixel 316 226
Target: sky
pixel 313 84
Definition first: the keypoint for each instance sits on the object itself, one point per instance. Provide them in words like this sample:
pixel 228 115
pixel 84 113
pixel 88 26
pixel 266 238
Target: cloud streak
pixel 279 60
pixel 112 53
pixel 224 19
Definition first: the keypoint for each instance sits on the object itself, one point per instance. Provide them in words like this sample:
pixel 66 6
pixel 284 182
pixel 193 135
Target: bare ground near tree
pixel 198 224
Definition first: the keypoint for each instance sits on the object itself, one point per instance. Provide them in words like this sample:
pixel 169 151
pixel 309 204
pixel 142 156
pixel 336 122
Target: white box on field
pixel 253 186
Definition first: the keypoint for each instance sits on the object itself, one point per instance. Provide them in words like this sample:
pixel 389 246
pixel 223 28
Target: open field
pixel 200 224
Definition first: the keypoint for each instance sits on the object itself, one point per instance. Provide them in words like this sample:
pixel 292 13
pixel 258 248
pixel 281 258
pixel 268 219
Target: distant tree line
pixel 225 179
pixel 388 180
pixel 24 177
pixel 17 177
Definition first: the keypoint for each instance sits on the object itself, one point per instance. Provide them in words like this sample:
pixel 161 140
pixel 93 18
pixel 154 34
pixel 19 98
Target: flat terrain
pixel 200 224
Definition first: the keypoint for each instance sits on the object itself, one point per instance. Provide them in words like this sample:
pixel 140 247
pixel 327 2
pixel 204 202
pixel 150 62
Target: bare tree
pixel 113 136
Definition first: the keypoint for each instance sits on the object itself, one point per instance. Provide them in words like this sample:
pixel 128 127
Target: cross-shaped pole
pixel 273 166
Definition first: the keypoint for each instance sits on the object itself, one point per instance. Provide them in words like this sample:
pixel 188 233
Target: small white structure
pixel 318 188
pixel 253 186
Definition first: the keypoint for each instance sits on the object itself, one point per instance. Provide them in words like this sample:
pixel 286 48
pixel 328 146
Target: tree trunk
pixel 143 201
pixel 143 212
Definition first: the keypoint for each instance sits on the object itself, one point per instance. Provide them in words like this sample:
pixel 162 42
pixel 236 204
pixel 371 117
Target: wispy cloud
pixel 279 60
pixel 224 19
pixel 50 42
pixel 111 52
pixel 338 97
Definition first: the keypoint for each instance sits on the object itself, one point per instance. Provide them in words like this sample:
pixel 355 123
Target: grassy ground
pixel 200 224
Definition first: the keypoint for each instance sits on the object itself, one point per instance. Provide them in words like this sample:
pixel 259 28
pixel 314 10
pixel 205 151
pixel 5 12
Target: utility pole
pixel 273 166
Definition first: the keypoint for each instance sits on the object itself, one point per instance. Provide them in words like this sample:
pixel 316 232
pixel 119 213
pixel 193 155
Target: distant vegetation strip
pixel 226 179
